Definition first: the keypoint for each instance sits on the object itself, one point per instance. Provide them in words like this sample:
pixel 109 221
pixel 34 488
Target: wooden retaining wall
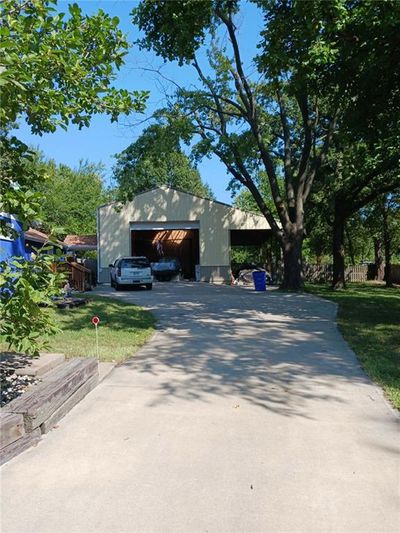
pixel 25 419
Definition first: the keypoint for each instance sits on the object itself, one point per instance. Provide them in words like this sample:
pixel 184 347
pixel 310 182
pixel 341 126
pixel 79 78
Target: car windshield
pixel 135 262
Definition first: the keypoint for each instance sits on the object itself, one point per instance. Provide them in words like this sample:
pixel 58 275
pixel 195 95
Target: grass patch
pixel 369 320
pixel 124 327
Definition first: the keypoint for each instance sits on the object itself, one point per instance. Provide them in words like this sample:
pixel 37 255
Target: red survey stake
pixel 95 322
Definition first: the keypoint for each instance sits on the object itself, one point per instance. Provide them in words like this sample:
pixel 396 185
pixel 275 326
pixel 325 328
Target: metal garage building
pixel 169 222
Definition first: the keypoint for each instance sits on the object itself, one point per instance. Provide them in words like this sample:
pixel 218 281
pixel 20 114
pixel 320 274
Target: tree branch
pixel 241 174
pixel 208 84
pixel 287 160
pixel 307 146
pixel 392 187
pixel 240 78
pixel 321 157
pixel 387 165
pixel 247 97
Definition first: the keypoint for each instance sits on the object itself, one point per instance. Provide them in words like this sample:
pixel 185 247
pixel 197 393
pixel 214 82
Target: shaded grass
pixel 369 320
pixel 123 328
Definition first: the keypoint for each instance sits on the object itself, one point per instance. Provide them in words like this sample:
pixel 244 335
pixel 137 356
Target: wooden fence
pixel 395 273
pixel 324 273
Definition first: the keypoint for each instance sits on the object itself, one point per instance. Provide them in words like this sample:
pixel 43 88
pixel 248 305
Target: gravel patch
pixel 11 384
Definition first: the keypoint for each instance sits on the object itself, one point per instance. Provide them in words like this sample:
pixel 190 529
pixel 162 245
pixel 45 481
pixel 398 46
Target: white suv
pixel 131 271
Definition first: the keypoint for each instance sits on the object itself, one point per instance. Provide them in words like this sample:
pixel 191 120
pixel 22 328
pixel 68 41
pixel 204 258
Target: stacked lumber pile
pixel 79 276
pixel 25 419
pixel 71 302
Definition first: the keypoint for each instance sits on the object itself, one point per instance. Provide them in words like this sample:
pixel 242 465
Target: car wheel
pixel 149 286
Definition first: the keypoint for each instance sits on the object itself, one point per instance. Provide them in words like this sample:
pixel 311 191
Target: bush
pixel 26 289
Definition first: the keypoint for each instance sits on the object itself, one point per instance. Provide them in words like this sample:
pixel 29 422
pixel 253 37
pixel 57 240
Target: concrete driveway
pixel 246 412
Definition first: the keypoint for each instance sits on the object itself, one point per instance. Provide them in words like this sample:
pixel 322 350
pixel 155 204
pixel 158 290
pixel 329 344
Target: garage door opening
pixel 180 243
pixel 253 248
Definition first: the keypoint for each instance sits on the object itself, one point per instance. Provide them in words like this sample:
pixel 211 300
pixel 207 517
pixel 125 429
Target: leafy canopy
pixel 70 197
pixel 155 159
pixel 17 174
pixel 27 287
pixel 57 69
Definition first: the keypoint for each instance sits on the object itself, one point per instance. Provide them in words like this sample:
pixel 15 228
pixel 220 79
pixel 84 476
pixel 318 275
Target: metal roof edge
pixel 165 187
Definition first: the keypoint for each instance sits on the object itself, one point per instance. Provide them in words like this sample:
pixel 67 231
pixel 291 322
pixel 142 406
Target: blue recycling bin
pixel 260 281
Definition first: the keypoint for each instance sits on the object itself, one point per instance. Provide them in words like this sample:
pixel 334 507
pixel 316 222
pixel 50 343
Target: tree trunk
pixel 339 281
pixel 293 267
pixel 387 242
pixel 379 264
pixel 350 243
pixel 388 272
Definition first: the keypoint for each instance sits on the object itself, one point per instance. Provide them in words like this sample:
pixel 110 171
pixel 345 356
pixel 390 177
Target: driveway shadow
pixel 276 350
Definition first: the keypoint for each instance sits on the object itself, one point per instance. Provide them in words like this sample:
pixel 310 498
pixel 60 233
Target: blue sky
pixel 102 139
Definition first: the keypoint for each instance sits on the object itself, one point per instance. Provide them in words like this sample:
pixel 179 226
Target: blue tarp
pixel 12 248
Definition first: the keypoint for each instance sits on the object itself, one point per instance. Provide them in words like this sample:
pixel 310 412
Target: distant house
pixel 83 243
pixel 35 240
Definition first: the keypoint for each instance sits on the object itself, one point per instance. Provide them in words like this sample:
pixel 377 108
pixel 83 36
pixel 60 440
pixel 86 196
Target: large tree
pixel 156 158
pixel 70 197
pixel 280 112
pixel 357 173
pixel 366 162
pixel 357 185
pixel 55 70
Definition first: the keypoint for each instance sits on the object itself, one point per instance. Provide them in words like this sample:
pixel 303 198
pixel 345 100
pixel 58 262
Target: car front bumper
pixel 165 273
pixel 136 281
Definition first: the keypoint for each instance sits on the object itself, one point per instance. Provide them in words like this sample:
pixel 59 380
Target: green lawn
pixel 369 319
pixel 123 329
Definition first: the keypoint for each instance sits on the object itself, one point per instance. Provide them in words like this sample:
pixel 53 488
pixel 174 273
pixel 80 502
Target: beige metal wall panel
pixel 215 274
pixel 241 220
pixel 164 204
pixel 114 237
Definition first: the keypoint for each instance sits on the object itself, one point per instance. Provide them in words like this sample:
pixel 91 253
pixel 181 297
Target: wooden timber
pixel 20 445
pixel 75 398
pixel 39 366
pixel 39 404
pixel 11 428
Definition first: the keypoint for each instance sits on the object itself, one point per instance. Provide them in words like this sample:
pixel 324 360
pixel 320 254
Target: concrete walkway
pixel 247 412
